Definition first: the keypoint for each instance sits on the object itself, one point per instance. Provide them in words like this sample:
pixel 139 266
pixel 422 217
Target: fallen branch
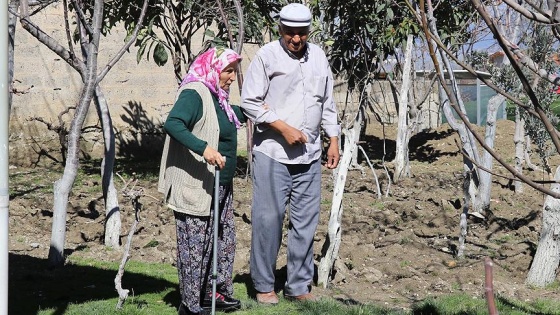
pixel 134 195
pixel 123 293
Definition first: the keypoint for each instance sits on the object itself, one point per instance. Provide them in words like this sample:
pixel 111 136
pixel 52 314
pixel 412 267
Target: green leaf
pixel 390 14
pixel 141 51
pixel 152 243
pixel 209 33
pixel 160 55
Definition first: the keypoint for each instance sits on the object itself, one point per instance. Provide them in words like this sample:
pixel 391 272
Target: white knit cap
pixel 295 15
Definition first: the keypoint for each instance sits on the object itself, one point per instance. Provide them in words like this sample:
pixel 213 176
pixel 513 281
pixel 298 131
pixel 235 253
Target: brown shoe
pixel 304 297
pixel 267 298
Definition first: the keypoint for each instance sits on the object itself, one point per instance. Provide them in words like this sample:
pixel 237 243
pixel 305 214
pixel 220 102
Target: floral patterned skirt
pixel 194 252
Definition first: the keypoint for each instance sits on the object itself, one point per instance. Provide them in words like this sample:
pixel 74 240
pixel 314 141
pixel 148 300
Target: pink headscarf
pixel 206 68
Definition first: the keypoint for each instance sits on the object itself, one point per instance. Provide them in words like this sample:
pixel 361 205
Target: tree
pixel 402 164
pixel 89 19
pixel 536 79
pixel 347 30
pixel 359 35
pixel 168 35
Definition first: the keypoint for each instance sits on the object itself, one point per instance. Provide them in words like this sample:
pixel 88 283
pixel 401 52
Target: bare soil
pixel 395 250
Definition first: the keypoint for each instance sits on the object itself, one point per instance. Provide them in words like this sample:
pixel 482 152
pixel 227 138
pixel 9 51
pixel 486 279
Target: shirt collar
pixel 305 54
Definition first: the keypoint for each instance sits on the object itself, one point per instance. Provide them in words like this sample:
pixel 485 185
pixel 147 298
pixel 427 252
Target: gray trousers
pixel 275 185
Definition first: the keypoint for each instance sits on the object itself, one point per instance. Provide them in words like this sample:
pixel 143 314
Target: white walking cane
pixel 215 246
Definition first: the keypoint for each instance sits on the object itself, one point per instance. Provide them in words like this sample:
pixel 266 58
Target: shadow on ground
pixel 33 286
pixel 419 148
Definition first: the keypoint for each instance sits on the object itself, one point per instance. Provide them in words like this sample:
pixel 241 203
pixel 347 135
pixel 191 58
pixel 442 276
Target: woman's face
pixel 228 75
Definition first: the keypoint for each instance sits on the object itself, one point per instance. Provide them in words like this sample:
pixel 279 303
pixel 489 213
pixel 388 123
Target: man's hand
pixel 214 157
pixel 333 155
pixel 292 135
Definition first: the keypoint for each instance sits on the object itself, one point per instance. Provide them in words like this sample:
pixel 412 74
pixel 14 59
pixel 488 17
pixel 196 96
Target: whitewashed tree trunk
pixel 357 127
pixel 110 195
pixel 483 201
pixel 89 42
pixel 463 226
pixel 519 141
pixel 63 186
pixel 468 143
pixel 467 139
pixel 547 257
pixel 402 163
pixel 332 241
pixel 470 173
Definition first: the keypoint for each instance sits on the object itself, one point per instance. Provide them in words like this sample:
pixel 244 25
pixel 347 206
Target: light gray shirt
pixel 297 91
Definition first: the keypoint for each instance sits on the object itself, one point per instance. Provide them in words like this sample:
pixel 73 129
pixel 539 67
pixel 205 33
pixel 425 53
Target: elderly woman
pixel 202 135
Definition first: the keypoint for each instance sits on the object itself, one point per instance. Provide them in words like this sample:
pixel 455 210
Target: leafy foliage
pixel 170 25
pixel 361 33
pixel 173 25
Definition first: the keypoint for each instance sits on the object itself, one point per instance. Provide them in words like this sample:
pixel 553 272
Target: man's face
pixel 294 38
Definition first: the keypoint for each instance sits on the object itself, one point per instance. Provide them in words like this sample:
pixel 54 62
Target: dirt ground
pixel 395 250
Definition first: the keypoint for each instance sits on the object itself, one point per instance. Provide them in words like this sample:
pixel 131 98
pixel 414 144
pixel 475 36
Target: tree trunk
pixel 468 142
pixel 332 241
pixel 110 195
pixel 483 202
pixel 463 224
pixel 470 172
pixel 63 186
pixel 357 127
pixel 518 140
pixel 402 163
pixel 547 257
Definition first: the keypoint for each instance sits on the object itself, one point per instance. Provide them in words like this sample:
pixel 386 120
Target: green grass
pixel 503 239
pixel 86 287
pixel 31 181
pixel 41 180
pixel 459 304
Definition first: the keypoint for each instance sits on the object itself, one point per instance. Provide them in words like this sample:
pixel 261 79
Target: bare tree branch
pixel 50 42
pixel 67 29
pixel 481 167
pixel 82 17
pixel 542 17
pixel 465 120
pixel 129 43
pixel 526 86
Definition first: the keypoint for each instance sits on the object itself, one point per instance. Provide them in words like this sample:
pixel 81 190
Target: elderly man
pixel 287 93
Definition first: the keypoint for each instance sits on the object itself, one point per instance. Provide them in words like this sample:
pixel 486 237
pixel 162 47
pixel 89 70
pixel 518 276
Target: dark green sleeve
pixel 186 112
pixel 239 113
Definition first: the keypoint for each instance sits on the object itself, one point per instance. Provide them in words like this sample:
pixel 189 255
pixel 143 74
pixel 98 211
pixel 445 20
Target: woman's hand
pixel 214 157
